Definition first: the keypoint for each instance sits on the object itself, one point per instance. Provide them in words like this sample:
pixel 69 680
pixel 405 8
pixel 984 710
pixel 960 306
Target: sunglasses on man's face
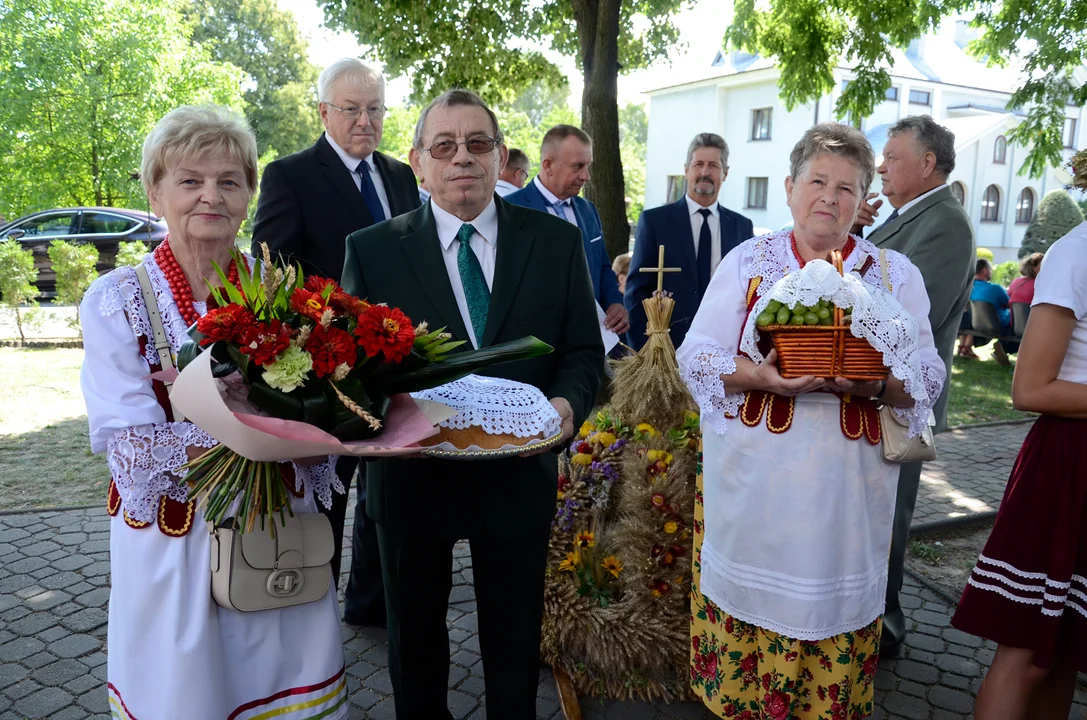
pixel 478 145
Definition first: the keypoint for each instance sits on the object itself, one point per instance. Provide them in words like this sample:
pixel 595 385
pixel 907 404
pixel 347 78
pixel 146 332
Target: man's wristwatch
pixel 882 389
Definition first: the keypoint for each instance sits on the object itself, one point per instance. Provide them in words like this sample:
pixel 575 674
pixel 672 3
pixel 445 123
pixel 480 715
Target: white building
pixel 738 99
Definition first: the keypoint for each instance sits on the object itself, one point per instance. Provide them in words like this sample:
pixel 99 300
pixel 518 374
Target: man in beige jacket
pixel 931 228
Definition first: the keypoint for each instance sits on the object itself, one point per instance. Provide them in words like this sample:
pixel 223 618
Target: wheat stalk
pixel 354 407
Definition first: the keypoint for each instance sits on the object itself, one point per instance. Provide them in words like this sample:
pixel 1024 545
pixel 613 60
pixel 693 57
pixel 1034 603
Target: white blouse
pixel 144 451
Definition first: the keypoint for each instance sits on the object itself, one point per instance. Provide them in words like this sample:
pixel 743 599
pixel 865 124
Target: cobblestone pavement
pixel 54 573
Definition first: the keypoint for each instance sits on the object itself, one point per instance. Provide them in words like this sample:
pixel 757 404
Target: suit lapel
pixel 423 254
pixel 514 248
pixel 729 238
pixel 682 221
pixel 535 199
pixel 340 178
pixel 883 234
pixel 579 218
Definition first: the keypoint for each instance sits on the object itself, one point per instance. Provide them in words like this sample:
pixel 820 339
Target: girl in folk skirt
pixel 1028 591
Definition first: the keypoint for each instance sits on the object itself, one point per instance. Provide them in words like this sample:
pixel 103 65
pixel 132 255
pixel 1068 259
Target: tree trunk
pixel 598 33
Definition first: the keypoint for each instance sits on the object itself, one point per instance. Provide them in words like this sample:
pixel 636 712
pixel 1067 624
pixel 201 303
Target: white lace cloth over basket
pixel 144 452
pixel 499 406
pixel 877 317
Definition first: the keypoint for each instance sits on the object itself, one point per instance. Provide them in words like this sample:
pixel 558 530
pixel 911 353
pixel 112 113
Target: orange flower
pixel 612 565
pixel 226 323
pixel 585 539
pixel 308 303
pixel 325 287
pixel 385 330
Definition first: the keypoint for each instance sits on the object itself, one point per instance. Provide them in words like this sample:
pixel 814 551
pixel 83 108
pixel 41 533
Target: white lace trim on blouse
pixel 145 460
pixel 704 362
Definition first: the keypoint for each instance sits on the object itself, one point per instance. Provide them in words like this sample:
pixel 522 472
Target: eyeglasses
pixel 353 113
pixel 520 172
pixel 478 145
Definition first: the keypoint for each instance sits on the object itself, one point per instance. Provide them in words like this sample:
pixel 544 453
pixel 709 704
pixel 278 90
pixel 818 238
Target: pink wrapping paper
pixel 196 394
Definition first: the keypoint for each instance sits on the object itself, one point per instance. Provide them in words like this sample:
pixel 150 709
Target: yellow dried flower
pixel 612 565
pixel 671 526
pixel 648 429
pixel 571 563
pixel 585 539
pixel 582 459
pixel 604 438
pixel 586 429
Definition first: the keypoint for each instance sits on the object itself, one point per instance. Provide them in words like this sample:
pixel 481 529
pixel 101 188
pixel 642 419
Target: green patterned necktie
pixel 476 292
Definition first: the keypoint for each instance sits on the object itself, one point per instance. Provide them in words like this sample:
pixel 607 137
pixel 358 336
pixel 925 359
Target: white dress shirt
pixel 715 230
pixel 504 188
pixel 352 163
pixel 484 244
pixel 551 199
pixel 902 210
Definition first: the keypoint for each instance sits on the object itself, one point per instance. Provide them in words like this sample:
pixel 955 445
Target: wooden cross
pixel 660 270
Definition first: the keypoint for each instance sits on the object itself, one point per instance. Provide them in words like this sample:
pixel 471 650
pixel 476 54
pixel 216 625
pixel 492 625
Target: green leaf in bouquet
pixel 316 409
pixel 274 402
pixel 348 424
pixel 460 364
pixel 188 352
pixel 240 360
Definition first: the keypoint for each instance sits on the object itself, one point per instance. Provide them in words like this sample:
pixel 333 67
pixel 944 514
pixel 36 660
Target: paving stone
pixel 932 618
pixel 27 565
pixel 958 665
pixel 86 619
pixel 384 710
pixel 909 687
pixel 48 599
pixel 75 645
pixel 899 705
pixel 473 686
pixel 910 670
pixel 930 643
pixel 72 562
pixel 365 699
pixel 628 710
pixel 465 658
pixel 380 682
pixel 22 689
pixel 32 624
pixel 957 682
pixel 949 699
pixel 60 580
pixel 38 660
pixel 361 669
pixel 81 684
pixel 11 673
pixel 460 704
pixel 70 713
pixel 60 672
pixel 95 701
pixel 39 548
pixel 19 648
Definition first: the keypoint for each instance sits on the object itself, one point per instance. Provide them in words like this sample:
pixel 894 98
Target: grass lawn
pixel 981 390
pixel 45 456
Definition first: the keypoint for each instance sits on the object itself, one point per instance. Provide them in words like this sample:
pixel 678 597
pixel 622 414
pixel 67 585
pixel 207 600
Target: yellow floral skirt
pixel 742 671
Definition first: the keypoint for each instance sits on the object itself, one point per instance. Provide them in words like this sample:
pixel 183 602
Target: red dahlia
pixel 386 330
pixel 330 347
pixel 347 304
pixel 265 341
pixel 308 303
pixel 225 323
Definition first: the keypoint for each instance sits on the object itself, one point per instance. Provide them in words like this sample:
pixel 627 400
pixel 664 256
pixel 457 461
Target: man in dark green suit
pixel 489 272
pixel 929 226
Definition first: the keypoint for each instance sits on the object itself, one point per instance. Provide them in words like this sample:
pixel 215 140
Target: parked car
pixel 103 227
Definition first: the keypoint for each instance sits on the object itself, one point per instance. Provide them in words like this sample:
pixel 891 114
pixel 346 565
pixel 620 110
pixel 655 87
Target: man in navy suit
pixel 696 233
pixel 565 156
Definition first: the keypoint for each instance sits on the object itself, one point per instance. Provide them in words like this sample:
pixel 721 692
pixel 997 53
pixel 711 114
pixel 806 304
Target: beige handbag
pixel 255 571
pixel 898 446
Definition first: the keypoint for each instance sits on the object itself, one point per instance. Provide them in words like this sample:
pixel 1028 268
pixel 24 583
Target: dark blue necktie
pixel 889 219
pixel 704 251
pixel 369 192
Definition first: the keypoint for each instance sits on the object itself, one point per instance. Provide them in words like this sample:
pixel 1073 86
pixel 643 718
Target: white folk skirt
pixel 174 654
pixel 798 524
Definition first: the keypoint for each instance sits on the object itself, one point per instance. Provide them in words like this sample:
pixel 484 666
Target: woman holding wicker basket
pixel 798 497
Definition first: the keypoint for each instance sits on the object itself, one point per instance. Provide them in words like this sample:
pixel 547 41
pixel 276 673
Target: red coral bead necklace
pixel 179 284
pixel 850 244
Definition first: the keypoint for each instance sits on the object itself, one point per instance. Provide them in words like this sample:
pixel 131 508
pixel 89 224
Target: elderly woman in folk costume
pixel 173 653
pixel 798 498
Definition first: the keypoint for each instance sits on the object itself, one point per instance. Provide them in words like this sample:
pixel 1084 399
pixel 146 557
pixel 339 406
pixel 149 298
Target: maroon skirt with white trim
pixel 1029 587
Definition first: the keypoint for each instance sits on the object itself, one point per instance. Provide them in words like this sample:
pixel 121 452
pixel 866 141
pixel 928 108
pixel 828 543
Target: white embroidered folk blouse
pixel 144 451
pixel 797 523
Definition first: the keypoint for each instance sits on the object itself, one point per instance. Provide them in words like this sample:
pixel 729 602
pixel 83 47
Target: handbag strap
pixel 883 269
pixel 158 332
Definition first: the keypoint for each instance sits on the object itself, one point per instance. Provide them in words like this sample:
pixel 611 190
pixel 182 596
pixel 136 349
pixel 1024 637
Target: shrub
pixel 130 254
pixel 75 266
pixel 985 253
pixel 1057 214
pixel 1005 272
pixel 17 276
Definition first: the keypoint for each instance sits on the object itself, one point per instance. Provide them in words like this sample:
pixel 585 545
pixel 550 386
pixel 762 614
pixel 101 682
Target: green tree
pixel 17 278
pixel 397 132
pixel 1057 214
pixel 495 47
pixel 82 82
pixel 76 267
pixel 633 134
pixel 264 41
pixel 130 254
pixel 808 39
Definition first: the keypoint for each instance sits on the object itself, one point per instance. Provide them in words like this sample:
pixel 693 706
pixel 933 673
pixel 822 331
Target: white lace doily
pixel 499 406
pixel 877 317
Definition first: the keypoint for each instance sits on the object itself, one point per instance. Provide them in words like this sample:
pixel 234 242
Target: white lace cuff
pixel 145 462
pixel 918 415
pixel 702 364
pixel 321 479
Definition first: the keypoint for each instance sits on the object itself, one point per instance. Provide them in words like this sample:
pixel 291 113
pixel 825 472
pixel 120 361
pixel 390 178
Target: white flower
pixel 289 370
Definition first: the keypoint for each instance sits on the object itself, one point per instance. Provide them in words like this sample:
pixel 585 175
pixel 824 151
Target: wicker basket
pixel 825 350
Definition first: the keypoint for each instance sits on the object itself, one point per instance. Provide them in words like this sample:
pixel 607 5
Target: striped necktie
pixel 476 293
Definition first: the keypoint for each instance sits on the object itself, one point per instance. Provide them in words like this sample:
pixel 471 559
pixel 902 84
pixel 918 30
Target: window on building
pixel 756 192
pixel 675 188
pixel 990 204
pixel 892 94
pixel 1000 150
pixel 1069 132
pixel 1024 207
pixel 920 97
pixel 760 123
pixel 958 191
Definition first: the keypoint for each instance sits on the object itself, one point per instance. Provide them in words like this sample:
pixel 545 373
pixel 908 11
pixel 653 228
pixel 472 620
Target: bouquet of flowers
pixel 302 350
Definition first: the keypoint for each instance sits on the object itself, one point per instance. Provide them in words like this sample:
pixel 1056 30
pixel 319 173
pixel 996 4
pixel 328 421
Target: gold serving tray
pixel 511 451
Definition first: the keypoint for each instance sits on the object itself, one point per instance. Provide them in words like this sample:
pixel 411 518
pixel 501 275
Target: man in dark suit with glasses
pixel 309 203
